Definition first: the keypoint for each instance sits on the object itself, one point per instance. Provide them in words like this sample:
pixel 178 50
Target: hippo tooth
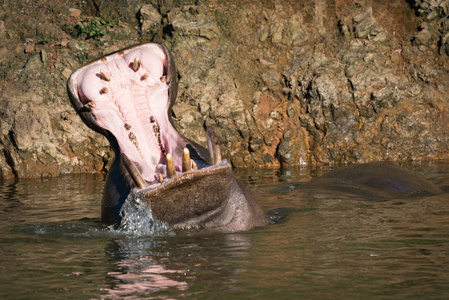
pixel 212 146
pixel 132 138
pixel 194 166
pixel 166 79
pixel 136 64
pixel 144 76
pixel 170 166
pixel 104 90
pixel 89 105
pixel 127 126
pixel 105 75
pixel 186 160
pixel 161 178
pixel 134 172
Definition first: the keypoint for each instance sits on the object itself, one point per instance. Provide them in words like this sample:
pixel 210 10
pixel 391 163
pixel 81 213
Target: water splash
pixel 138 219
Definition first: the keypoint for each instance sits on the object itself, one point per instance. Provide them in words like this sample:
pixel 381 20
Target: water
pixel 137 219
pixel 52 246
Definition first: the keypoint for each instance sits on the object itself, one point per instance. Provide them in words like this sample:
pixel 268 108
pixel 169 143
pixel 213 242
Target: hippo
pixel 128 96
pixel 379 180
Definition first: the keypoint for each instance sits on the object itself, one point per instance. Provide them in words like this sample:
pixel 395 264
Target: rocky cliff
pixel 284 82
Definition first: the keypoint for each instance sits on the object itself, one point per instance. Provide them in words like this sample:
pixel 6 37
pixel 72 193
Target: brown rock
pixel 29 48
pixel 3 52
pixel 75 13
pixel 149 17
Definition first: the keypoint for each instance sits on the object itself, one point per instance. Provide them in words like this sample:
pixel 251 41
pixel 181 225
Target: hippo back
pixel 373 181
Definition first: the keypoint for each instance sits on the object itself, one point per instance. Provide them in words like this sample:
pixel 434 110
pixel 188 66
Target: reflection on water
pixel 146 266
pixel 326 246
pixel 136 272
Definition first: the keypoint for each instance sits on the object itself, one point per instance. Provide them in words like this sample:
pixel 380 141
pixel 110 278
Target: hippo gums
pixel 128 97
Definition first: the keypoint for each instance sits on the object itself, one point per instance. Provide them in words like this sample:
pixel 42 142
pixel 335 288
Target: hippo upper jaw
pixel 128 96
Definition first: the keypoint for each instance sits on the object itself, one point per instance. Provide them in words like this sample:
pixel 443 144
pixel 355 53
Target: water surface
pixel 327 246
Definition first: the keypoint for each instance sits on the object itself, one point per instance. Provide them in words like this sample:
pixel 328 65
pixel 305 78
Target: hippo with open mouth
pixel 128 97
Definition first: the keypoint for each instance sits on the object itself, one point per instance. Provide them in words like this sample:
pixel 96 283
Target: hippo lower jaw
pixel 128 97
pixel 207 198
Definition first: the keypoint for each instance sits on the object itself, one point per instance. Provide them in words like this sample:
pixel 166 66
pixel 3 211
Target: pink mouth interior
pixel 133 105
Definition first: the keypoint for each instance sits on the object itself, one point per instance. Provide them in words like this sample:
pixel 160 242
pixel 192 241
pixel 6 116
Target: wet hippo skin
pixel 372 181
pixel 128 96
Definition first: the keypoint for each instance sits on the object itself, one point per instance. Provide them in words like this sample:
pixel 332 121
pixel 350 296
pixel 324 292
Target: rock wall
pixel 284 83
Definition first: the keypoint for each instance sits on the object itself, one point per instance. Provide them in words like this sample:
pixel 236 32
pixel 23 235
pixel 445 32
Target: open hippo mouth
pixel 128 96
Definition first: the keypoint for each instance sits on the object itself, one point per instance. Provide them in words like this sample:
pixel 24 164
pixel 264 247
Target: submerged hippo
pixel 128 97
pixel 372 181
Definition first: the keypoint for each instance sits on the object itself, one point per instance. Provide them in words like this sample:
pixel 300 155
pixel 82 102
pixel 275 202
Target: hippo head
pixel 128 97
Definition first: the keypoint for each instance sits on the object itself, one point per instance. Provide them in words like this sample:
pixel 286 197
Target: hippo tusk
pixel 134 172
pixel 171 172
pixel 212 146
pixel 186 165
